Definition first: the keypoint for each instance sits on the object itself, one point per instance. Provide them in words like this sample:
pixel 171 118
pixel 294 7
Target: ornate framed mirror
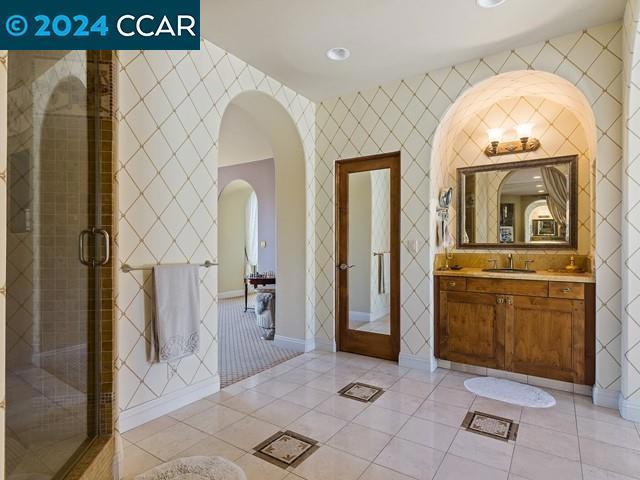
pixel 519 205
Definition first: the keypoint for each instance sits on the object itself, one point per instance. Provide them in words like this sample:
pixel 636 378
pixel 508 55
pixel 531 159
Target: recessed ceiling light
pixel 490 3
pixel 540 191
pixel 537 177
pixel 338 54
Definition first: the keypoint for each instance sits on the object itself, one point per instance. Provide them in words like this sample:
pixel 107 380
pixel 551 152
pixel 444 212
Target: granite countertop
pixel 545 275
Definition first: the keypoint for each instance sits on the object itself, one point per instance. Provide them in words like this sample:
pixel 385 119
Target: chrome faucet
pixel 510 258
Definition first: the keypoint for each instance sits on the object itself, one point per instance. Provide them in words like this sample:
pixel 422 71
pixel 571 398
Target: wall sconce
pixel 526 142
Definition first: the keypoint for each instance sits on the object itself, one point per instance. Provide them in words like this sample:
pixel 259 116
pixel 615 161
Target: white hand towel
pixel 176 319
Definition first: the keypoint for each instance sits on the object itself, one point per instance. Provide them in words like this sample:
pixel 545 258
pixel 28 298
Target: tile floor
pixel 382 325
pixel 411 432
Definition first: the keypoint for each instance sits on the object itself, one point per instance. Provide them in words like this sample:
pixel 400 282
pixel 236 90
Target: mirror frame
pixel 572 244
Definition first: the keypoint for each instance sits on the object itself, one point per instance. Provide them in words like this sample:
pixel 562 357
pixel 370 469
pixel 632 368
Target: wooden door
pixel 472 328
pixel 546 338
pixel 368 246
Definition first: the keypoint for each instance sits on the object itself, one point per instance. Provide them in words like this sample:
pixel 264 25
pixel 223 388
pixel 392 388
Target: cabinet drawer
pixel 453 284
pixel 574 291
pixel 532 288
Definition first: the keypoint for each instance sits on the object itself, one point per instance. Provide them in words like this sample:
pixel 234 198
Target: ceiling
pixel 522 182
pixel 388 39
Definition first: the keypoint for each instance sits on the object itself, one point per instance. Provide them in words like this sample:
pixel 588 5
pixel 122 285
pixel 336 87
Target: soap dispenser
pixel 572 267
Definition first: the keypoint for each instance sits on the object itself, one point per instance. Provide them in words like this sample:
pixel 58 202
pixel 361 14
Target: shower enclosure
pixel 55 253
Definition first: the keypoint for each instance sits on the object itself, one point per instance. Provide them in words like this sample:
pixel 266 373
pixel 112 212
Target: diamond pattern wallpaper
pixel 631 216
pixel 405 116
pixel 170 107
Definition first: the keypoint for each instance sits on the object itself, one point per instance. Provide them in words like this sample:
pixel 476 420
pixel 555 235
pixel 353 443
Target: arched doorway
pixel 260 144
pixel 237 236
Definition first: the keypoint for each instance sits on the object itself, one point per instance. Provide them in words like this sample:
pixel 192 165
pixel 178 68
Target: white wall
pixel 232 205
pixel 242 139
pixel 261 175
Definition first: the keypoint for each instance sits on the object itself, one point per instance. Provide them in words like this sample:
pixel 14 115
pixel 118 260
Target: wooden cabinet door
pixel 472 328
pixel 545 337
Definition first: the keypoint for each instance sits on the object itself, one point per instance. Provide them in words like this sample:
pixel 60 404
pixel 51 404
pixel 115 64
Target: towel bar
pixel 126 268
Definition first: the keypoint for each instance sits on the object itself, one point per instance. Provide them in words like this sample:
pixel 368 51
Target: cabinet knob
pixel 452 284
pixel 566 290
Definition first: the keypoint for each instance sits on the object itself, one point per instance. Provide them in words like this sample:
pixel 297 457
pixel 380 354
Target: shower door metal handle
pixel 81 250
pixel 81 240
pixel 107 248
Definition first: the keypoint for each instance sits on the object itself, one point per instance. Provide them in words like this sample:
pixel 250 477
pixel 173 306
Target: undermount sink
pixel 508 270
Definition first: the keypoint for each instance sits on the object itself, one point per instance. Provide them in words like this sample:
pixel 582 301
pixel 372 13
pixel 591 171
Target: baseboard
pixel 295 344
pixel 629 410
pixel 606 398
pixel 419 363
pixel 325 345
pixel 161 406
pixel 231 294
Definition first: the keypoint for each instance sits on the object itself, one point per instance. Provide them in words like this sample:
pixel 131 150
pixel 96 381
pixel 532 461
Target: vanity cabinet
pixel 472 328
pixel 540 328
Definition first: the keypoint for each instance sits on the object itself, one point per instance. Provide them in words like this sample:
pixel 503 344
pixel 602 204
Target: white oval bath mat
pixel 510 392
pixel 195 468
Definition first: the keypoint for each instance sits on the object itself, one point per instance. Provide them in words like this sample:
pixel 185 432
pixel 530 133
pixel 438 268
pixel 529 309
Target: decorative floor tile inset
pixel 286 449
pixel 491 426
pixel 361 392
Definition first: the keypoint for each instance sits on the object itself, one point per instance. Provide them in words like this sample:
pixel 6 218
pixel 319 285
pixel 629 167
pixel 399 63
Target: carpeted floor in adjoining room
pixel 242 352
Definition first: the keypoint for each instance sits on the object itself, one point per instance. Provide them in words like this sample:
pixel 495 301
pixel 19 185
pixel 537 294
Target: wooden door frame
pixel 343 168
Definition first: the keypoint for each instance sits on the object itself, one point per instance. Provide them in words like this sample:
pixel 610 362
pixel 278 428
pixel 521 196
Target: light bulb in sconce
pixel 525 132
pixel 495 137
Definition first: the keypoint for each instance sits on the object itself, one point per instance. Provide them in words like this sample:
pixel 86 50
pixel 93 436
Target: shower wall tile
pixel 405 115
pixel 3 238
pixel 170 108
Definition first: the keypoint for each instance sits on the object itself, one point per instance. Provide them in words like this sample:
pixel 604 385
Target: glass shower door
pixel 53 287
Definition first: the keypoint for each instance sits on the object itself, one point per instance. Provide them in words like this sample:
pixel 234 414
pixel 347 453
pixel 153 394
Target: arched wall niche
pixel 564 120
pixel 460 139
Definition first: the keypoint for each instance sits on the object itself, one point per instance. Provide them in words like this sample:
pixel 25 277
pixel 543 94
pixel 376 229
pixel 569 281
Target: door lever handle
pixel 344 266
